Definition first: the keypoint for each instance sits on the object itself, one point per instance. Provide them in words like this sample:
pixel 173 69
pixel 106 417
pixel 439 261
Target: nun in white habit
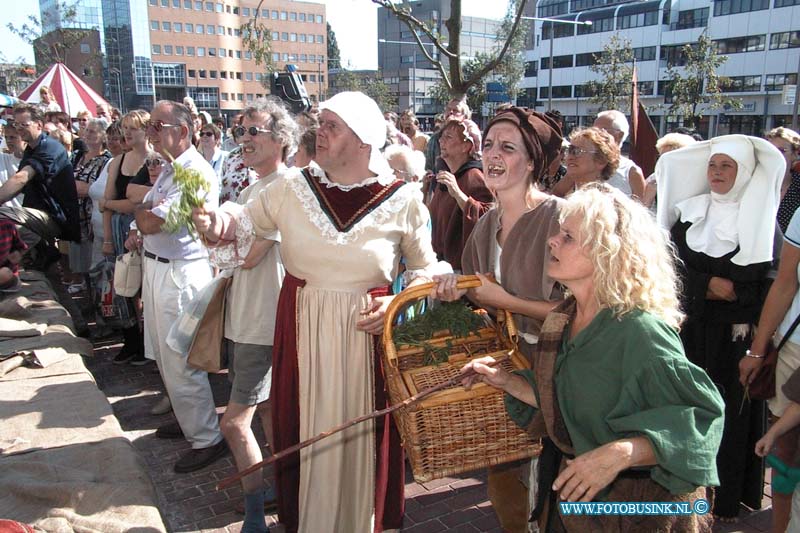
pixel 719 199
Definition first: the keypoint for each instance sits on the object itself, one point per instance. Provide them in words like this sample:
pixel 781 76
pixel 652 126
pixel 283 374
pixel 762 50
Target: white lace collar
pixel 386 179
pixel 378 216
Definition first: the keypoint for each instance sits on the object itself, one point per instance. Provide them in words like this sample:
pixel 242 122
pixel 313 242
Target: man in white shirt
pixel 175 268
pixel 10 158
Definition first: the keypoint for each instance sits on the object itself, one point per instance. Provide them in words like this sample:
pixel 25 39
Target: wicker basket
pixel 454 430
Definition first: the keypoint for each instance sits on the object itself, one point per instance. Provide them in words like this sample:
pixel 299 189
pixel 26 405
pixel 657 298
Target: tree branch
pixel 488 67
pixel 414 23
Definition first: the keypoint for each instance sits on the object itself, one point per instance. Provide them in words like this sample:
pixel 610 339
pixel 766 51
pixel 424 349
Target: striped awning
pixel 71 92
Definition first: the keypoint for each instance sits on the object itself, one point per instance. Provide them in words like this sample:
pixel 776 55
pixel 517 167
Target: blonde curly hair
pixel 633 257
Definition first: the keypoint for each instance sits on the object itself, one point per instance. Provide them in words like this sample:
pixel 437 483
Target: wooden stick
pixel 228 481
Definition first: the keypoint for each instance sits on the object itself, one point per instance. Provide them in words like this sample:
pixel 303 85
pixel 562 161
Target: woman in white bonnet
pixel 719 199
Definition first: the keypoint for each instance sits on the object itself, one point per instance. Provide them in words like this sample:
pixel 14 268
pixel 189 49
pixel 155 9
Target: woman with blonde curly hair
pixel 627 417
pixel 592 155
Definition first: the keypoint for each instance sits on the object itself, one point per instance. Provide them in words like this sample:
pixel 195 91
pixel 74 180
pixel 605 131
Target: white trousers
pixel 166 290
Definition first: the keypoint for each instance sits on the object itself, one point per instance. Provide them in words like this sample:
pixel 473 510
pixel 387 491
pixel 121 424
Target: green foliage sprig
pixel 455 317
pixel 193 188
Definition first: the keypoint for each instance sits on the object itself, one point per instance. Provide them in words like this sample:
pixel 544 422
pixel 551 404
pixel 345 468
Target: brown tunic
pixel 452 225
pixel 523 261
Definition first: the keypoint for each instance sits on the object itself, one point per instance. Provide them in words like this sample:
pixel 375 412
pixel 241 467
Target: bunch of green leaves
pixel 455 317
pixel 193 188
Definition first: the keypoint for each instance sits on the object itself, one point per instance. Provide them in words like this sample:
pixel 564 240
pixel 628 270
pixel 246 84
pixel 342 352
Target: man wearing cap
pixel 343 231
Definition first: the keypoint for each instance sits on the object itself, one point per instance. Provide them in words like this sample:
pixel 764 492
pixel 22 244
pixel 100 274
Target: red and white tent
pixel 71 92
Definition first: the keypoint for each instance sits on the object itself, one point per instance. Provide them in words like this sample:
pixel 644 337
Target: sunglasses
pixel 252 130
pixel 206 134
pixel 574 150
pixel 154 163
pixel 158 125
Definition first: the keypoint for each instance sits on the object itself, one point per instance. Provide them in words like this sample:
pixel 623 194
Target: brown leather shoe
pixel 200 458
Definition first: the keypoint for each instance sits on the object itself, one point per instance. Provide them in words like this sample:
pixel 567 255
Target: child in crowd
pixel 11 249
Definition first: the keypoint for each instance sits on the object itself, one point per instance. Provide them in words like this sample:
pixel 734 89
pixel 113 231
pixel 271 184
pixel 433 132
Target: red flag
pixel 643 133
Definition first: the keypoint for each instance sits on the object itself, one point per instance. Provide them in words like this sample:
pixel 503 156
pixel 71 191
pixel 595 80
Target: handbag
pixel 205 352
pixel 762 387
pixel 128 274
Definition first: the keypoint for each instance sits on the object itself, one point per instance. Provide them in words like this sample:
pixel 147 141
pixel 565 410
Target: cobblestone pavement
pixel 189 502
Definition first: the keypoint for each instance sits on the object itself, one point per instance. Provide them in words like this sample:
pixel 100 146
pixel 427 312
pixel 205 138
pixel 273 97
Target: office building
pixel 760 37
pixel 197 49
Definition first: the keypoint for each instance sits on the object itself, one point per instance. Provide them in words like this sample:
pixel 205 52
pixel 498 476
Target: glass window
pixel 265 13
pixel 248 55
pixel 276 36
pixel 189 27
pixel 223 97
pixel 730 7
pixel 223 74
pixel 302 17
pixel 312 77
pixel 202 73
pixel 285 57
pixel 210 29
pixel 176 4
pixel 199 29
pixel 284 36
pixel 212 74
pixel 788 39
pixel 320 39
pixel 220 30
pixel 219 7
pixel 164 3
pixel 293 37
pixel 190 50
pixel 166 26
pixel 222 52
pixel 293 58
pixel 179 50
pixel 210 6
pixel 276 56
pixel 740 84
pixel 249 97
pixel 236 32
pixel 198 5
pixel 310 38
pixel 753 43
pixel 201 51
pixel 154 25
pixel 248 76
pixel 85 48
pixel 230 32
pixel 235 10
pixel 156 49
pixel 284 15
pixel 274 15
pixel 786 3
pixel 239 96
pixel 153 2
pixel 311 17
pixel 167 49
pixel 302 37
pixel 177 27
pixel 238 54
pixel 212 52
pixel 192 73
pixel 187 4
pixel 312 58
pixel 258 77
pixel 245 11
pixel 293 16
pixel 319 19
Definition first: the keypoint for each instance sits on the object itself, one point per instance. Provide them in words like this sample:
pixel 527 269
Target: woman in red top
pixel 459 195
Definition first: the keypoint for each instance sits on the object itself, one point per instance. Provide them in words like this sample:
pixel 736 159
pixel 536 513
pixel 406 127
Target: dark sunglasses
pixel 158 125
pixel 206 134
pixel 153 163
pixel 252 130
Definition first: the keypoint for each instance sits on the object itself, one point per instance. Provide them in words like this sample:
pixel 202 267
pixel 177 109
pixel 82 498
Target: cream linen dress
pixel 335 360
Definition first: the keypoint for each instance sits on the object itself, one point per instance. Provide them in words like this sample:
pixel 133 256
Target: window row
pixel 297 58
pixel 297 37
pixel 218 7
pixel 188 27
pixel 224 75
pixel 200 51
pixel 736 45
pixel 731 7
pixel 732 84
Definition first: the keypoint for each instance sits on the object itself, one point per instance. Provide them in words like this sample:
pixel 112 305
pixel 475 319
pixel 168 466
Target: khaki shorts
pixel 249 371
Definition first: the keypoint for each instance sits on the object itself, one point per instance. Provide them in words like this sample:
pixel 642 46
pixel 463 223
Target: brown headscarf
pixel 540 133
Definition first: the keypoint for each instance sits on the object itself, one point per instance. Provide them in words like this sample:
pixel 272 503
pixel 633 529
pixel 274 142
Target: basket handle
pixel 418 292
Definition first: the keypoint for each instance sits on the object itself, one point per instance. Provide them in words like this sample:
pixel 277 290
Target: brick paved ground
pixel 189 502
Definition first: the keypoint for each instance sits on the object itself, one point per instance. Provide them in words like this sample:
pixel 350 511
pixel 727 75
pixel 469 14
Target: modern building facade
pixel 760 37
pixel 197 49
pixel 404 66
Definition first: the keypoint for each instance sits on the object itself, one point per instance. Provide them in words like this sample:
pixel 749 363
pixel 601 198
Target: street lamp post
pixel 118 74
pixel 552 22
pixel 413 66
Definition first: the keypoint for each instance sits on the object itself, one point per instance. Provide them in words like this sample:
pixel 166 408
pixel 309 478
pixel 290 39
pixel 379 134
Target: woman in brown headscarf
pixel 510 243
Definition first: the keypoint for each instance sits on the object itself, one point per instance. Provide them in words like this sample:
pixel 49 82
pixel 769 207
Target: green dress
pixel 626 377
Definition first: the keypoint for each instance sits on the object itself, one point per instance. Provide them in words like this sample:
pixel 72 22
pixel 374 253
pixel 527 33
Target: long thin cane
pixel 228 481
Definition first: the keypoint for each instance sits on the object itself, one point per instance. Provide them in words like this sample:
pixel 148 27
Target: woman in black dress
pixel 719 199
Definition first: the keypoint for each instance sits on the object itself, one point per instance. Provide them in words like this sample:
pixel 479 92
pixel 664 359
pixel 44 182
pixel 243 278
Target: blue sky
pixel 354 22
